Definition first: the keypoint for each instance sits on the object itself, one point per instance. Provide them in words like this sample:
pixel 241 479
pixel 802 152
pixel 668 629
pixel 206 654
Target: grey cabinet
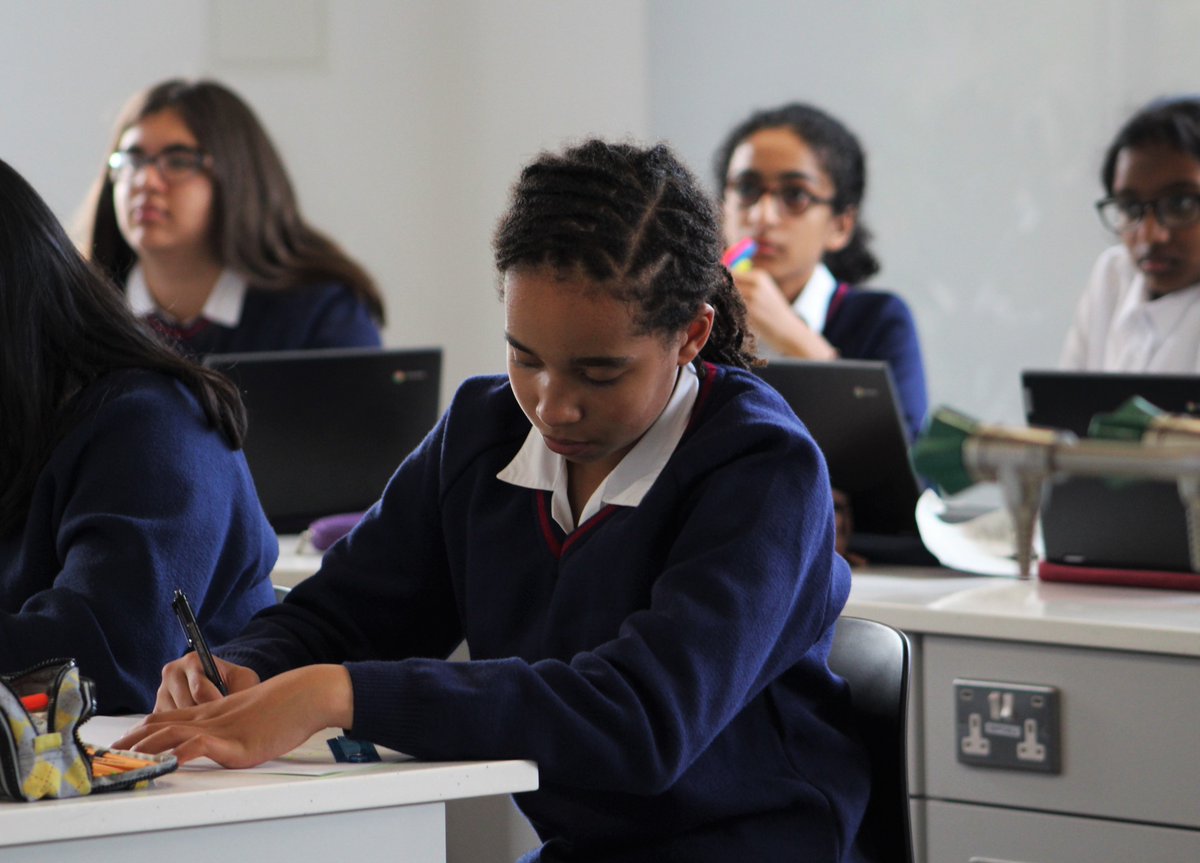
pixel 1128 787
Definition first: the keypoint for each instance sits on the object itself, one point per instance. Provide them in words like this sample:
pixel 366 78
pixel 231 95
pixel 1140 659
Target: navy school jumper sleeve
pixel 140 497
pixel 878 325
pixel 664 664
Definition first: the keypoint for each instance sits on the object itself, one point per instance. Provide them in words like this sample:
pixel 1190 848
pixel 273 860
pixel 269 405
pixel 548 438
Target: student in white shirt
pixel 1141 309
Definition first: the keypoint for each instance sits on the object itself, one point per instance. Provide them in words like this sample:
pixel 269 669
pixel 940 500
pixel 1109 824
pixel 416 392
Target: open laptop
pixel 1092 522
pixel 850 408
pixel 327 428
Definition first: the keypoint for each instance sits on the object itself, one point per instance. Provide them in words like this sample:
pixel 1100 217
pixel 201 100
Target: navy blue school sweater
pixel 140 497
pixel 876 325
pixel 664 664
pixel 313 316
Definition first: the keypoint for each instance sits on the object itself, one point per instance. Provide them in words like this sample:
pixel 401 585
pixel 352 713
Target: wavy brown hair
pixel 257 229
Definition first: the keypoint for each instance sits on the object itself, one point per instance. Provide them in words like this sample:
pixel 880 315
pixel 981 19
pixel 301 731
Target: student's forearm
pixel 331 684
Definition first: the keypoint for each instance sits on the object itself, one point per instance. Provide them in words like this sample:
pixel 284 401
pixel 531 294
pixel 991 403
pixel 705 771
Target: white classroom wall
pixel 985 124
pixel 404 121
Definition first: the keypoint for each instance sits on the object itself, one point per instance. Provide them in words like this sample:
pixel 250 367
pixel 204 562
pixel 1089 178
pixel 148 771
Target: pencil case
pixel 41 752
pixel 327 530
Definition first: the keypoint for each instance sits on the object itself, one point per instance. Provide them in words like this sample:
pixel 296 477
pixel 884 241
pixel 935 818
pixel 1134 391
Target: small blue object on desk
pixel 347 749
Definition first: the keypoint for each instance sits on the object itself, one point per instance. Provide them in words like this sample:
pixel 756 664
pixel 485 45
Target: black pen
pixel 183 610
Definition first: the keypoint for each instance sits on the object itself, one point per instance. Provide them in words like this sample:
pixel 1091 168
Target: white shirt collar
pixel 223 306
pixel 535 466
pixel 1168 305
pixel 813 302
pixel 1146 323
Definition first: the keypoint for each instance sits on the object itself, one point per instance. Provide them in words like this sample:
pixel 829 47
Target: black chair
pixel 873 658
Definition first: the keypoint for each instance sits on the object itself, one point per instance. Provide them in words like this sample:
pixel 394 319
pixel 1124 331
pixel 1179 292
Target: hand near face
pixel 254 724
pixel 773 320
pixel 765 302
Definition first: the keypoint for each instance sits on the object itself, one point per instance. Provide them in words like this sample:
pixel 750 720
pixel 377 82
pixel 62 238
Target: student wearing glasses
pixel 1141 309
pixel 792 179
pixel 195 217
pixel 121 478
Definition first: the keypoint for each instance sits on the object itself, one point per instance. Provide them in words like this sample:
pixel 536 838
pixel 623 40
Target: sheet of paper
pixel 983 544
pixel 312 758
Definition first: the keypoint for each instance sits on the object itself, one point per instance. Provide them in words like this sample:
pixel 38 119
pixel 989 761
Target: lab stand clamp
pixel 1135 442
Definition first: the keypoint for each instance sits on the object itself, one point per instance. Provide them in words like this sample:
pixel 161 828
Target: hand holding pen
pixel 191 629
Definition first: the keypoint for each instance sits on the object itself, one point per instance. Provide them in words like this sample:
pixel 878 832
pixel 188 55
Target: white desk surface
pixel 940 601
pixel 196 798
pixel 296 561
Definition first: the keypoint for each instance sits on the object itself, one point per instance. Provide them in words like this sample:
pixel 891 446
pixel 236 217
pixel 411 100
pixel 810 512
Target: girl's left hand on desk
pixel 253 725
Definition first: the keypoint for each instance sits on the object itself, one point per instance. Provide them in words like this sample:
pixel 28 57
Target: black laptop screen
pixel 1093 522
pixel 326 429
pixel 851 410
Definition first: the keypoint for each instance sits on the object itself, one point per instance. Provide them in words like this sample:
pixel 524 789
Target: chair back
pixel 873 658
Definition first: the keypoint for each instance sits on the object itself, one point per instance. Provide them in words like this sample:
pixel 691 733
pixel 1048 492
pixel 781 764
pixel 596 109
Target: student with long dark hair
pixel 793 179
pixel 120 476
pixel 1141 309
pixel 633 534
pixel 194 215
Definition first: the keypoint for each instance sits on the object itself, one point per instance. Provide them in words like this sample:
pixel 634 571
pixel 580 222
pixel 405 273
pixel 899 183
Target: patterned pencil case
pixel 41 753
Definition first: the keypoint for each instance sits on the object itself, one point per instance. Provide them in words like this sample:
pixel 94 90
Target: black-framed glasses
pixel 1176 210
pixel 793 197
pixel 173 164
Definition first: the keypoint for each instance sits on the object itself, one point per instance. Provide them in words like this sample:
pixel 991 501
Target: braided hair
pixel 638 223
pixel 844 161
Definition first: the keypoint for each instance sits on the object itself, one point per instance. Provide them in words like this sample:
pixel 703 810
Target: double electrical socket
pixel 1011 725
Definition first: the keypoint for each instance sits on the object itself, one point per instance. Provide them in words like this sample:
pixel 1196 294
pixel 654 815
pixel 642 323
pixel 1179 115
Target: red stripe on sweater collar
pixel 551 530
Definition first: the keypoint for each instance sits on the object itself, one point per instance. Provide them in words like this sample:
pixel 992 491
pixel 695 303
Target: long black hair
pixel 635 220
pixel 257 229
pixel 1171 120
pixel 843 159
pixel 63 324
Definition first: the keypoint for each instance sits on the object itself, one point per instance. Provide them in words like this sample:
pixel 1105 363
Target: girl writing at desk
pixel 194 215
pixel 120 478
pixel 633 534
